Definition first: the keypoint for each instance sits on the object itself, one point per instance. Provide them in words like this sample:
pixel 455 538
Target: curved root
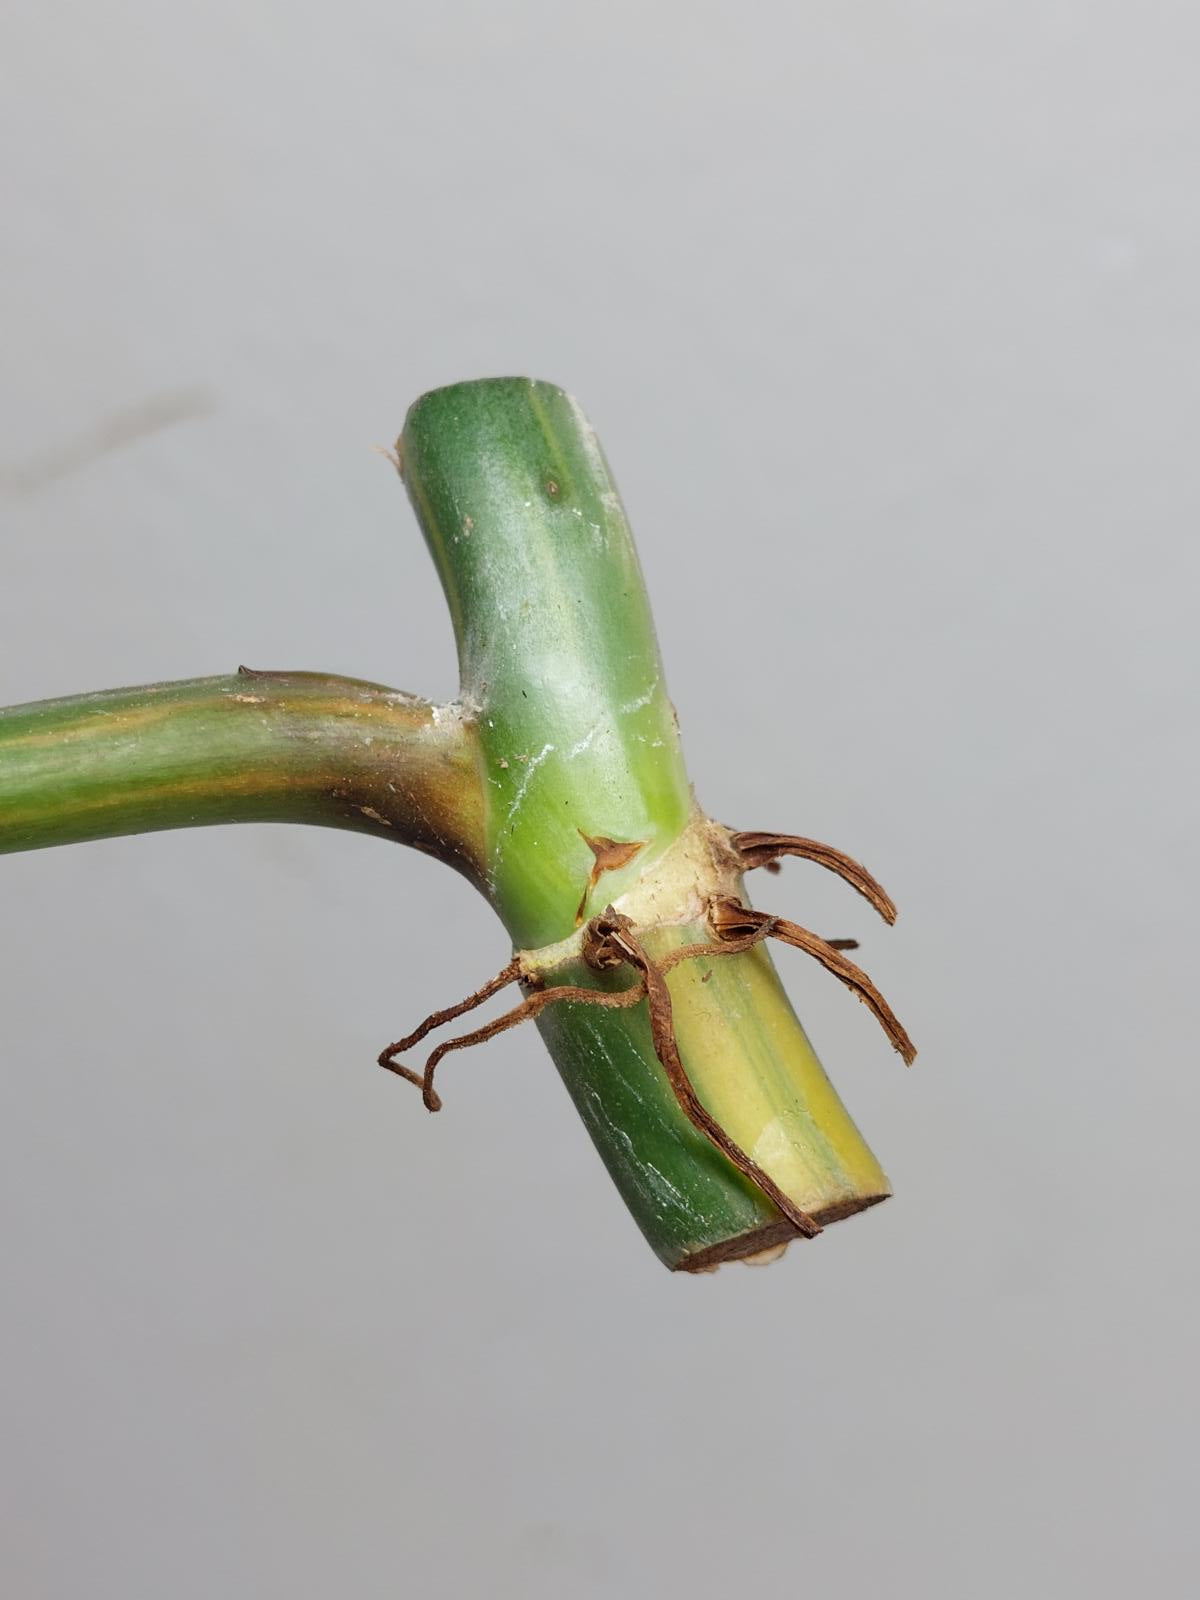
pixel 610 941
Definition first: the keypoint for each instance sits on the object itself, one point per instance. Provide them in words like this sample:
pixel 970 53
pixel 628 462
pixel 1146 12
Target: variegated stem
pixel 252 747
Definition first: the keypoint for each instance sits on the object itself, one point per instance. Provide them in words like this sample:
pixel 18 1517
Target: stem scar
pixel 610 854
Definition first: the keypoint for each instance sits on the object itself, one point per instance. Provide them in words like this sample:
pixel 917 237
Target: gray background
pixel 887 316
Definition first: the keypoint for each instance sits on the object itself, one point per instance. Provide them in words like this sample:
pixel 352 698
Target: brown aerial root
pixel 529 1008
pixel 765 849
pixel 731 919
pixel 609 941
pixel 435 1019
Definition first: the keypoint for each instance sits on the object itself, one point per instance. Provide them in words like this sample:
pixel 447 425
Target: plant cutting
pixel 556 783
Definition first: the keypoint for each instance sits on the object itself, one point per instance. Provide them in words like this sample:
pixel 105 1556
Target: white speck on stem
pixel 631 706
pixel 585 743
pixel 774 1146
pixel 660 1182
pixel 522 788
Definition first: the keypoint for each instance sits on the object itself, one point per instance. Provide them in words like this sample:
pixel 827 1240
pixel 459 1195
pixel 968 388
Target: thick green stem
pixel 558 659
pixel 583 769
pixel 254 747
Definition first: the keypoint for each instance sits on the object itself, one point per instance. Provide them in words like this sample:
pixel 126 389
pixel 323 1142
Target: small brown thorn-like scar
pixel 609 855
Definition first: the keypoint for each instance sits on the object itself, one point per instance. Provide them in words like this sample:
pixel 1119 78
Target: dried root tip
pixel 764 850
pixel 493 986
pixel 435 1019
pixel 731 919
pixel 529 1008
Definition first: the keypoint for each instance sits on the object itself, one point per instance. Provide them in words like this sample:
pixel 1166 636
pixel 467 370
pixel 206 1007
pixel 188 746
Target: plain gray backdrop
pixel 887 317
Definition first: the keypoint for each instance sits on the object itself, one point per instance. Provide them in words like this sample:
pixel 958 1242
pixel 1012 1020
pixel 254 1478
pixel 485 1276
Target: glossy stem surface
pixel 584 789
pixel 559 663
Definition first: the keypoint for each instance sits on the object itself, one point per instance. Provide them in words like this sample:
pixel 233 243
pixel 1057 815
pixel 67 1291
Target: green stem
pixel 557 653
pixel 253 747
pixel 578 741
